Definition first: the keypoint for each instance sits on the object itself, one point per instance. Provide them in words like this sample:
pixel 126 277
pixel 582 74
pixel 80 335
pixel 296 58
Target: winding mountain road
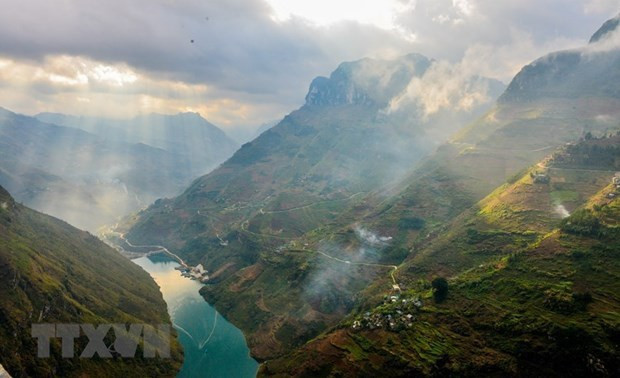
pixel 158 248
pixel 310 204
pixel 393 267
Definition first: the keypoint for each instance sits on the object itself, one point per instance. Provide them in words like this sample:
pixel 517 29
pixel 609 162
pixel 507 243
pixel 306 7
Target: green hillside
pixel 441 188
pixel 51 272
pixel 530 293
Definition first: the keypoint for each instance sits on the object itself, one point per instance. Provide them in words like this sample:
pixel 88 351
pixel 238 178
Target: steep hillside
pixel 313 227
pixel 340 144
pixel 80 177
pixel 308 222
pixel 497 148
pixel 549 103
pixel 531 291
pixel 446 228
pixel 51 272
pixel 294 178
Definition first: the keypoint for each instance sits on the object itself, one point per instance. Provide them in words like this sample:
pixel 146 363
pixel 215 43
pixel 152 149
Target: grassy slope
pixel 489 152
pixel 517 303
pixel 51 272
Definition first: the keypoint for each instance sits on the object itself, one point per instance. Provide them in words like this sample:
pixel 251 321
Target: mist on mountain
pixel 91 171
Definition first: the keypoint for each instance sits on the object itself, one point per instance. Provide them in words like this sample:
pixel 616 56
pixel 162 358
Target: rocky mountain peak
pixel 366 81
pixel 606 29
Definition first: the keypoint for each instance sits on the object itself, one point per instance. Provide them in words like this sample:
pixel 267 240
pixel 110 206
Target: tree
pixel 440 289
pixel 582 222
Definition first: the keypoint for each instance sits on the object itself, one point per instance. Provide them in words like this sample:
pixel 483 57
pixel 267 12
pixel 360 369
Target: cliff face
pixel 366 82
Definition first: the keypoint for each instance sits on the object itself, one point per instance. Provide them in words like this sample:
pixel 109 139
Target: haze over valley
pixel 348 189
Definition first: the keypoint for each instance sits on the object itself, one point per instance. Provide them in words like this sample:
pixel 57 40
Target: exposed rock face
pixel 366 82
pixel 333 92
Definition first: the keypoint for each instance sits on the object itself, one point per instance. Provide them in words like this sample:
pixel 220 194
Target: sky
pixel 243 63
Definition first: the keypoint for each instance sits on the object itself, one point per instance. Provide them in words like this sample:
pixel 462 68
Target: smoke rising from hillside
pixel 337 267
pixel 371 238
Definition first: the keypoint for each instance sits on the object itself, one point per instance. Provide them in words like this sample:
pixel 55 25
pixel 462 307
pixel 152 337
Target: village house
pixel 540 178
pixel 616 180
pixel 197 272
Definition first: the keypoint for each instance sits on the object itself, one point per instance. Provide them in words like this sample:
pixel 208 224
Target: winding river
pixel 212 346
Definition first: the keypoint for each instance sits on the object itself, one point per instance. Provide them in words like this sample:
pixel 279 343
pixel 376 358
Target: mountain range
pixel 363 196
pixel 90 172
pixel 188 135
pixel 408 219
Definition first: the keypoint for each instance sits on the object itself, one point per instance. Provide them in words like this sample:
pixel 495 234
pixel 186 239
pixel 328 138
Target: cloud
pixel 602 7
pixel 463 6
pixel 370 238
pixel 84 86
pixel 444 86
pixel 237 45
pixel 326 12
pixel 239 51
pixel 246 65
pixel 453 29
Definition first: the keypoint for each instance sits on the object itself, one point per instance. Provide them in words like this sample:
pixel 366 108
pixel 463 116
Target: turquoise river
pixel 212 346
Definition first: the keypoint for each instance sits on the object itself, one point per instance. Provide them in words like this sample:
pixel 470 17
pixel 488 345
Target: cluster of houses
pixel 198 273
pixel 397 316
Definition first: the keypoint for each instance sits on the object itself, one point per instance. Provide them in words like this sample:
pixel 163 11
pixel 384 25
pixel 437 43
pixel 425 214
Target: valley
pixel 410 216
pixel 293 269
pixel 73 169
